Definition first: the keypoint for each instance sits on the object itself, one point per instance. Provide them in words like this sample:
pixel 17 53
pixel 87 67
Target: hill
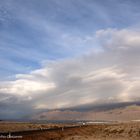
pixel 126 113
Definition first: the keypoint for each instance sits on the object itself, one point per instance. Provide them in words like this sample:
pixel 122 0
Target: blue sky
pixel 66 53
pixel 33 31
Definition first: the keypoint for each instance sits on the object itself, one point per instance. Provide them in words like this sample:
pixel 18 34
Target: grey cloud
pixel 14 107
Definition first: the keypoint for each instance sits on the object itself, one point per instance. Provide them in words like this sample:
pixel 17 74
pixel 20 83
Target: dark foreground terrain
pixel 114 131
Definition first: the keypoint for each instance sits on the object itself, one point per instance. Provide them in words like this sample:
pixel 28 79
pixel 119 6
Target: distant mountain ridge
pixel 126 113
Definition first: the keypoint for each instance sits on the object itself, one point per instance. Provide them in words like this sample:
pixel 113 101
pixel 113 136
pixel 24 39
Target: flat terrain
pixel 116 131
pixel 22 126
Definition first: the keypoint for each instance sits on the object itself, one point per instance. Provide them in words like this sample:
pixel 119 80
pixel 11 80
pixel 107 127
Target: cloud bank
pixel 110 75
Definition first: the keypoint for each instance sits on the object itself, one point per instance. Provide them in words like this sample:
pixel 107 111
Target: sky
pixel 63 53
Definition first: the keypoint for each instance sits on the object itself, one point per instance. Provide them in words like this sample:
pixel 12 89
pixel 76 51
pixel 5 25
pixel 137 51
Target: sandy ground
pixel 118 131
pixel 21 126
pixel 121 131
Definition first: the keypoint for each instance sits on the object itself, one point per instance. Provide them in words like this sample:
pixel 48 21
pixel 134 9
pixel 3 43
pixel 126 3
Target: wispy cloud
pixel 35 31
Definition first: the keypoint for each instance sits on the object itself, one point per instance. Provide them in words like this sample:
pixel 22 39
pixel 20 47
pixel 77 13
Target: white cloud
pixel 105 77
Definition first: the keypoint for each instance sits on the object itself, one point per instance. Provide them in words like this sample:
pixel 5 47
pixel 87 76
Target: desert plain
pixel 96 131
